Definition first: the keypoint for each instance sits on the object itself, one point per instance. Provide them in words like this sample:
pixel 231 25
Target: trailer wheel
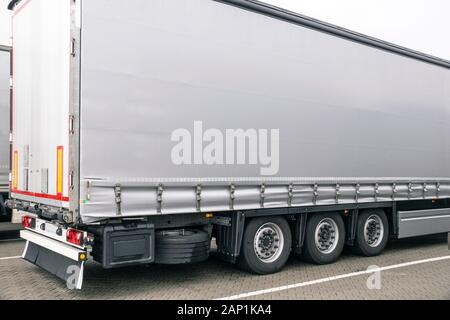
pixel 4 212
pixel 266 245
pixel 372 233
pixel 181 246
pixel 325 238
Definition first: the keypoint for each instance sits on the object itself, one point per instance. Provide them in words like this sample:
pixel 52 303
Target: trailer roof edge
pixel 296 18
pixel 5 48
pixel 292 17
pixel 12 4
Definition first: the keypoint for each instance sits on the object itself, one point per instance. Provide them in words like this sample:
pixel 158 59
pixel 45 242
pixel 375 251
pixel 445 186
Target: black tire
pixel 181 246
pixel 185 260
pixel 361 245
pixel 181 237
pixel 250 261
pixel 5 213
pixel 311 252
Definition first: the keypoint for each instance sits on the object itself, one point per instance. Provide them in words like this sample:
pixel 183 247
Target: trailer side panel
pixel 345 111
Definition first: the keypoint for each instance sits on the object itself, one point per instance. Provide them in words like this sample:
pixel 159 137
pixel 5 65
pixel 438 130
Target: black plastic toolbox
pixel 124 245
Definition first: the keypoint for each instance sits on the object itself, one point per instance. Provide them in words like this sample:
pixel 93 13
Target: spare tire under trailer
pixel 181 246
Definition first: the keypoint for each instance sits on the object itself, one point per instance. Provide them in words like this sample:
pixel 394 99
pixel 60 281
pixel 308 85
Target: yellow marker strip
pixel 59 171
pixel 16 170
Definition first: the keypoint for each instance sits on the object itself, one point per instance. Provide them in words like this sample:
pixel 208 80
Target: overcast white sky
pixel 423 25
pixel 5 23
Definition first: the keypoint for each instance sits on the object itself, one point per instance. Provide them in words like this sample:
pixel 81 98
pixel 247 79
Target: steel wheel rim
pixel 373 231
pixel 326 236
pixel 268 242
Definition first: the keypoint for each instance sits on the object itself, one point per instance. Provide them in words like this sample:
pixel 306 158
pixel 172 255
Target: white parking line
pixel 11 240
pixel 329 279
pixel 10 258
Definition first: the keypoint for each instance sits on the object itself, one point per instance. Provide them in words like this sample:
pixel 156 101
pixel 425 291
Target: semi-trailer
pixel 5 62
pixel 143 129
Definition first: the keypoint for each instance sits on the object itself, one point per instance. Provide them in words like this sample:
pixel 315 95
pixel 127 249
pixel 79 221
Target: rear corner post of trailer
pixel 5 97
pixel 138 157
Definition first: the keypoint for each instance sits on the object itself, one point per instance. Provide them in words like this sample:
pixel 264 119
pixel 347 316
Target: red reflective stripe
pixel 40 195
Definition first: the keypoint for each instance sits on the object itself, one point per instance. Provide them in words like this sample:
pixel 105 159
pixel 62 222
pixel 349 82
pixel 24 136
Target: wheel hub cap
pixel 373 231
pixel 268 242
pixel 326 235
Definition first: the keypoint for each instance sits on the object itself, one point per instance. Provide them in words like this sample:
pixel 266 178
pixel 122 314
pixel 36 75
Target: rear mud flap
pixel 64 268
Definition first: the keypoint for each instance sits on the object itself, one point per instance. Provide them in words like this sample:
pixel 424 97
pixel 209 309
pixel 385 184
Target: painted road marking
pixel 334 278
pixel 11 240
pixel 10 258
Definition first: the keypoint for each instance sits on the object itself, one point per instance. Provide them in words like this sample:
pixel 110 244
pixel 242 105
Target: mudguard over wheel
pixel 372 233
pixel 266 245
pixel 325 238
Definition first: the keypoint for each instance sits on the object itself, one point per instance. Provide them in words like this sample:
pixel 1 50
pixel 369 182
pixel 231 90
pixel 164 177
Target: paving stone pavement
pixel 11 248
pixel 216 279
